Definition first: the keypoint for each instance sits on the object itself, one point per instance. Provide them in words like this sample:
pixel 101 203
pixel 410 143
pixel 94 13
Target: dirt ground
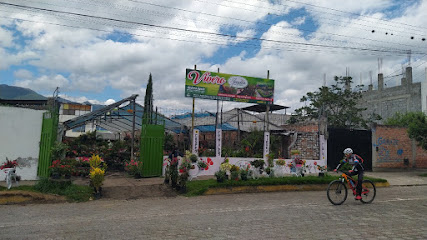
pixel 117 186
pixel 27 197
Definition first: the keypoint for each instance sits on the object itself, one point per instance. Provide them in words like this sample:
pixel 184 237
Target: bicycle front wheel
pixel 337 192
pixel 368 191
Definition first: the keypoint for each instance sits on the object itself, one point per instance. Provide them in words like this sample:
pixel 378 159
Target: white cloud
pixel 109 101
pixel 23 74
pixel 6 38
pixel 79 59
pixel 298 21
pixel 44 83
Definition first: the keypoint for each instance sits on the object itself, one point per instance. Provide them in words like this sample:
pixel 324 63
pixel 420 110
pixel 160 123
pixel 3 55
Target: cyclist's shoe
pixel 358 197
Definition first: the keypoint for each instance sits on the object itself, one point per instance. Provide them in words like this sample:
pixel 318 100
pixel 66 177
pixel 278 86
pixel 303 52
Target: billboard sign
pixel 228 87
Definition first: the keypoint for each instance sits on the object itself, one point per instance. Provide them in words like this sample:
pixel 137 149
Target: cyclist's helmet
pixel 348 151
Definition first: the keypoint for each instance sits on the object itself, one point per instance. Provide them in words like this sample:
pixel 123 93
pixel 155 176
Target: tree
pixel 338 104
pixel 148 102
pixel 416 122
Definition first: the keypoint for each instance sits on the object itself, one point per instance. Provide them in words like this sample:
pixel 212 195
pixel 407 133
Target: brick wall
pixel 421 158
pixel 307 141
pixel 392 146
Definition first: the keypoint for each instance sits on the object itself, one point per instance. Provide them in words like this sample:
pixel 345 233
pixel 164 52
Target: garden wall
pixel 311 165
pixel 20 138
pixel 392 148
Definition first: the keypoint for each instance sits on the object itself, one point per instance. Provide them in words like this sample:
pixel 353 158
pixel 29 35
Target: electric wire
pixel 208 33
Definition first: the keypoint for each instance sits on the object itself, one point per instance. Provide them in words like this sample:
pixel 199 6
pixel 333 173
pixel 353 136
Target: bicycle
pixel 11 173
pixel 337 189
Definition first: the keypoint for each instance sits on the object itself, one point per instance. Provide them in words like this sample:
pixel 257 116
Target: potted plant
pixel 244 174
pixel 202 164
pixel 258 164
pixel 193 158
pixel 183 182
pixel 96 178
pixel 322 170
pixel 234 172
pixel 220 176
pixel 9 164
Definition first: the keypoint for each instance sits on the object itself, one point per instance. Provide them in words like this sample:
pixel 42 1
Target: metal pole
pixel 192 120
pixel 133 129
pixel 268 106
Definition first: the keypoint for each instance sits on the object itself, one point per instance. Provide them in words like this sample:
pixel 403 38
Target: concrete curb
pixel 275 188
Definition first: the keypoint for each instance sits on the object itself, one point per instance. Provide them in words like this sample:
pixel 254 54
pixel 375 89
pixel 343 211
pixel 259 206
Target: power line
pixel 205 32
pixel 357 14
pixel 268 24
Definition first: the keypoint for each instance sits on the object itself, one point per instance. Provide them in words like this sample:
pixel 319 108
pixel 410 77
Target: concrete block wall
pixel 388 101
pixel 392 145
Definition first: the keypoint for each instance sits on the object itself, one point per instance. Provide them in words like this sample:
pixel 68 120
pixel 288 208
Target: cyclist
pixel 357 162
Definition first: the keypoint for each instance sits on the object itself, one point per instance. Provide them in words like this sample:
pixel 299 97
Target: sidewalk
pixel 117 179
pixel 121 187
pixel 401 178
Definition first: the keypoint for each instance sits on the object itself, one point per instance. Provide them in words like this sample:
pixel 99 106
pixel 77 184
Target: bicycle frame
pixel 345 177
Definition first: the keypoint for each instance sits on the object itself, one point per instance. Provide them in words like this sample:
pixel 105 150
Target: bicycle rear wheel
pixel 337 192
pixel 368 191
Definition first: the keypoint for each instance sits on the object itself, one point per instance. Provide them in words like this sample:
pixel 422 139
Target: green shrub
pixel 65 188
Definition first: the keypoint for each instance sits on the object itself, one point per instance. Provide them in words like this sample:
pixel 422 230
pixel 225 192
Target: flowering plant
pixel 58 168
pixel 9 164
pixel 132 167
pixel 185 166
pixel 202 165
pixel 321 168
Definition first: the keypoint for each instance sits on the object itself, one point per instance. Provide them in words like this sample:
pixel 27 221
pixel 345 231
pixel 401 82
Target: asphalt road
pixel 396 213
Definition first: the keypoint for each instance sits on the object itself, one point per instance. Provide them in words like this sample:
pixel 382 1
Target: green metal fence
pixel 151 150
pixel 47 140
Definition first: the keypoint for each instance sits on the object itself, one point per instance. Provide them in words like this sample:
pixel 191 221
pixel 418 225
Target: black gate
pixel 358 140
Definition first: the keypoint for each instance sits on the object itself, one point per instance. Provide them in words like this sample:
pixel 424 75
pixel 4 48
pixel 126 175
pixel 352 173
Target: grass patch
pixel 73 193
pixel 423 175
pixel 199 187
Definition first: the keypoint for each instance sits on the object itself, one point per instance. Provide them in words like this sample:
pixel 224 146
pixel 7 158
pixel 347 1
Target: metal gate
pixel 47 140
pixel 358 140
pixel 151 150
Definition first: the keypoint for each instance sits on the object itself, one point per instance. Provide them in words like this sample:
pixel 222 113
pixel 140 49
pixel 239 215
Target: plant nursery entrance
pixel 125 118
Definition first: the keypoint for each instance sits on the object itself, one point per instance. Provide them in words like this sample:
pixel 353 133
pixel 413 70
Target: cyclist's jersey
pixel 354 160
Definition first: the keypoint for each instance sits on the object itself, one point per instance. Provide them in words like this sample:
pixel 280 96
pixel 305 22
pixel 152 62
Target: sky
pixel 103 51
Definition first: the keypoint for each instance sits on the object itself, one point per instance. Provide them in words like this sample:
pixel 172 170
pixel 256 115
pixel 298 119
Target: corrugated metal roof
pixel 211 128
pixel 118 117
